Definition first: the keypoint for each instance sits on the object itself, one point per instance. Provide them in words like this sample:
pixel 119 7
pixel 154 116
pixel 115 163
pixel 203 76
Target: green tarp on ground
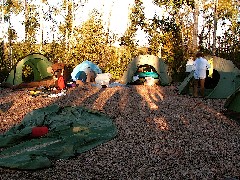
pixel 72 130
pixel 226 73
pixel 37 62
pixel 152 60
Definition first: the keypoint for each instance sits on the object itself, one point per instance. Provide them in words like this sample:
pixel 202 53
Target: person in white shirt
pixel 200 66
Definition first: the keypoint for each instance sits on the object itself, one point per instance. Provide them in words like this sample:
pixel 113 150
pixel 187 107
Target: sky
pixel 119 15
pixel 118 21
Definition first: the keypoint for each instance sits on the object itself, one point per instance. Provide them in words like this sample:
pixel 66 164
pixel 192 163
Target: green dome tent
pixel 223 80
pixel 37 62
pixel 154 61
pixel 233 101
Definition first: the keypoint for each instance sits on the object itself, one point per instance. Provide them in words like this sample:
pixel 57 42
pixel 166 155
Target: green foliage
pixel 91 42
pixel 31 24
pixel 14 6
pixel 137 19
pixel 155 37
pixel 12 34
pixel 174 3
pixel 66 27
pixel 118 59
pixel 226 9
pixel 22 49
pixel 165 34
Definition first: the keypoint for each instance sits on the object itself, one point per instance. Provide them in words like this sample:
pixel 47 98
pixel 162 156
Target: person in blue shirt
pixel 200 67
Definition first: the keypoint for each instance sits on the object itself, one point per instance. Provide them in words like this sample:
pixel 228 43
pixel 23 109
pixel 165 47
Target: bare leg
pixel 195 88
pixel 202 82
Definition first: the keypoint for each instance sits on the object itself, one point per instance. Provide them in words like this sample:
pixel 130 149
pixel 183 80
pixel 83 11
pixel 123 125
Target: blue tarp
pixel 83 67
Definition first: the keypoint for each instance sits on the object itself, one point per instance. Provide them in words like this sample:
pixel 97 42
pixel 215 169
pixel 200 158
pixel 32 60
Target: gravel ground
pixel 161 135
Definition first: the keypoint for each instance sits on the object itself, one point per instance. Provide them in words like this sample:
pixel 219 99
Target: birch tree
pixel 41 13
pixel 195 26
pixel 26 18
pixel 11 7
pixel 215 20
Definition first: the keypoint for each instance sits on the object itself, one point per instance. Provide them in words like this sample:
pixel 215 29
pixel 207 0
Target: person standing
pixel 200 66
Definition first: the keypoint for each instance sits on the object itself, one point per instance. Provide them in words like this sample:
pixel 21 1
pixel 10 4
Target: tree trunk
pixel 2 12
pixel 195 26
pixel 10 44
pixel 67 31
pixel 215 27
pixel 2 35
pixel 26 19
pixel 72 28
pixel 41 26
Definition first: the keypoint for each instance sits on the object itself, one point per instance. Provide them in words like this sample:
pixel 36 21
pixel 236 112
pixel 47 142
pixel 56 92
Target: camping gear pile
pixel 60 75
pixel 145 75
pixel 103 79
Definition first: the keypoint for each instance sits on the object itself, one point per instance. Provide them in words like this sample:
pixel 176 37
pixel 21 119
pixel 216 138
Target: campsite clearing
pixel 160 135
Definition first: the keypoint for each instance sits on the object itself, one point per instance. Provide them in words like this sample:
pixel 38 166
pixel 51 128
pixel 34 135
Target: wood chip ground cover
pixel 161 135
